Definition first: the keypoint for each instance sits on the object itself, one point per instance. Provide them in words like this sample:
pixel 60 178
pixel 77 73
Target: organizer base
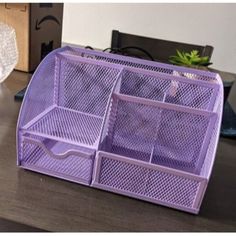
pixel 145 181
pixel 54 174
pixel 146 199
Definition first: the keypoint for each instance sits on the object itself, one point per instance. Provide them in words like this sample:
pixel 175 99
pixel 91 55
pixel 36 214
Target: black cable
pixel 104 50
pixel 140 49
pixel 89 47
pixel 123 51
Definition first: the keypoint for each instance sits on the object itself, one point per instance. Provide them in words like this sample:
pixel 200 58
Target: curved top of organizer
pixel 67 98
pixel 145 64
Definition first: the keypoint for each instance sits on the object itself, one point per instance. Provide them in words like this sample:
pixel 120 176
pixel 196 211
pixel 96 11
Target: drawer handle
pixel 57 156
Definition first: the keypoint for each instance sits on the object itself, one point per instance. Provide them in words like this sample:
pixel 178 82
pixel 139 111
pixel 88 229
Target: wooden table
pixel 56 205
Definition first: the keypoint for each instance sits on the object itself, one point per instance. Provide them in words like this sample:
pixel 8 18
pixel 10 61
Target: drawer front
pixel 147 182
pixel 57 159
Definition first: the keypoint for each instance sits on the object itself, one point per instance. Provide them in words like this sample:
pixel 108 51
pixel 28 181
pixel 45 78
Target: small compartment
pixel 81 93
pixel 148 182
pixel 158 133
pixel 57 158
pixel 171 89
pixel 84 85
pixel 182 138
pixel 131 129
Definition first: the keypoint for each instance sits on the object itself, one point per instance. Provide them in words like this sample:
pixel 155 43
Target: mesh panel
pixel 122 176
pixel 40 97
pixel 163 89
pixel 142 85
pixel 171 188
pixel 69 125
pixel 208 163
pixel 190 95
pixel 86 87
pixel 179 140
pixel 172 138
pixel 72 166
pixel 133 132
pixel 148 65
pixel 150 183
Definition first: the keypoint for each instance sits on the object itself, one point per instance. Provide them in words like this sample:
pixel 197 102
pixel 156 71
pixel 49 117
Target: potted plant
pixel 192 59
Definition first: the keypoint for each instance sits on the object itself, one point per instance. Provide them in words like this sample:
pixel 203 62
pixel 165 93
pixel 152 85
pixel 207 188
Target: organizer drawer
pixel 148 182
pixel 58 159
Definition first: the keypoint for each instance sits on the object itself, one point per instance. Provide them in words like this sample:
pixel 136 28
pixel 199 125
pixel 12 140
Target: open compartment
pixel 158 133
pixel 153 183
pixel 81 91
pixel 156 151
pixel 62 116
pixel 170 89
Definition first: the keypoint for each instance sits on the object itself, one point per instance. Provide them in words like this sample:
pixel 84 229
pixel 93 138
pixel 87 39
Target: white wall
pixel 213 24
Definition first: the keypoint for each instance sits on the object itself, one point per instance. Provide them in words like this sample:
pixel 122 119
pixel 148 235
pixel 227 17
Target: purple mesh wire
pixel 150 183
pixel 40 98
pixel 185 92
pixel 157 124
pixel 211 151
pixel 70 125
pixel 93 83
pixel 140 180
pixel 159 135
pixel 39 156
pixel 142 64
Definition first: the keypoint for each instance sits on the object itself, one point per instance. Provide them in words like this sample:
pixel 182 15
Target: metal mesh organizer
pixel 143 129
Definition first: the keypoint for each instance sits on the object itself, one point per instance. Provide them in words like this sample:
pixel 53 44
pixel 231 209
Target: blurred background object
pixel 38 28
pixel 8 51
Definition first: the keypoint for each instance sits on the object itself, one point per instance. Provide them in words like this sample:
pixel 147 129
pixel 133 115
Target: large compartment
pixel 62 116
pixel 158 133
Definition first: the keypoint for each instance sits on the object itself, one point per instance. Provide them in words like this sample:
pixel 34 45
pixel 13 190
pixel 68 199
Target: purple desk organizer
pixel 142 129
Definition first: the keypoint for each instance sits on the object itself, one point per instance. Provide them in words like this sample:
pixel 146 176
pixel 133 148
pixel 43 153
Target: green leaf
pixel 180 54
pixel 189 59
pixel 194 52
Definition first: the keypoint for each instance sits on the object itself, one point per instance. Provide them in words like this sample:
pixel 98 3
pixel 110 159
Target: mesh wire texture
pixel 141 181
pixel 168 89
pixel 143 64
pixel 158 135
pixel 80 89
pixel 69 105
pixel 75 166
pixel 70 125
pixel 85 86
